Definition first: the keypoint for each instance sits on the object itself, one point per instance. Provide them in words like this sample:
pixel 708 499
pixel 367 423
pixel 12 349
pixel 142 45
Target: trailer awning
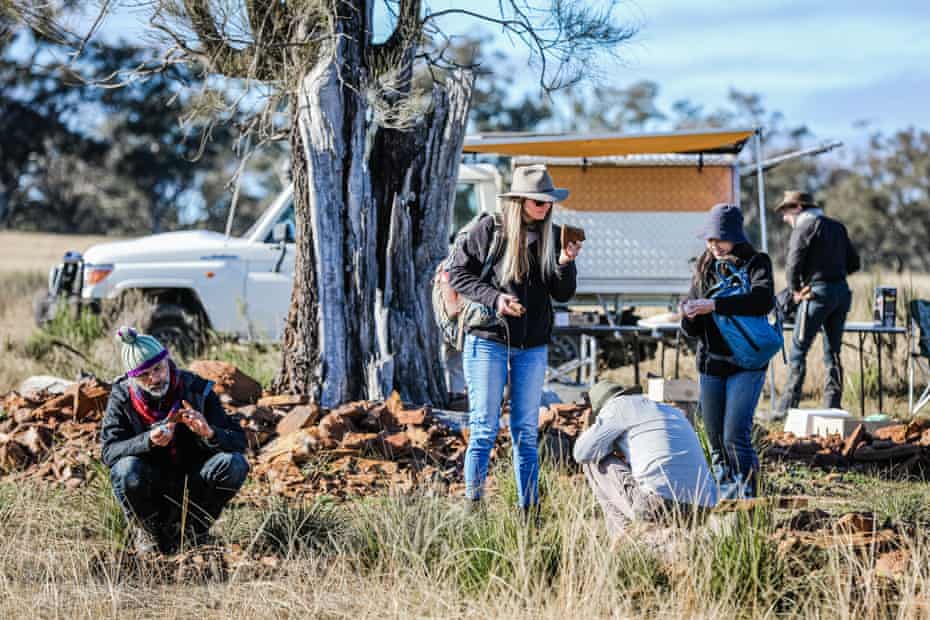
pixel 603 145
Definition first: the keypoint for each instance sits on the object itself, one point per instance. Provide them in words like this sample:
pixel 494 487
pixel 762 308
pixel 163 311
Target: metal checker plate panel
pixel 638 248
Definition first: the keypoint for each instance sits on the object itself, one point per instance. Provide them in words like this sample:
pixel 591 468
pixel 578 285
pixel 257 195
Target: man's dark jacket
pixel 534 328
pixel 125 434
pixel 819 251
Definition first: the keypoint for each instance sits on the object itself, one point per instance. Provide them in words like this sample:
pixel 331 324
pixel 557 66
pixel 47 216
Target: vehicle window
pixel 262 210
pixel 286 217
pixel 466 206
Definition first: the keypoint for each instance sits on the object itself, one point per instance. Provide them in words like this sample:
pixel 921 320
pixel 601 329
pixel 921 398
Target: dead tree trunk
pixel 372 206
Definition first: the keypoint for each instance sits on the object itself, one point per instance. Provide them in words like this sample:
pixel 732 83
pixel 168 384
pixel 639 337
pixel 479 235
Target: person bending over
pixel 642 460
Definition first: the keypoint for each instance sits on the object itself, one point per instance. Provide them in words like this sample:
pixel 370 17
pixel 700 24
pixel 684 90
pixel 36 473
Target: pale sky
pixel 823 63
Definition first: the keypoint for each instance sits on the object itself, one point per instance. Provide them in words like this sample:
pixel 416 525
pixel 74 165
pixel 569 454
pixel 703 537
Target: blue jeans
pixel 153 496
pixel 485 364
pixel 728 405
pixel 827 310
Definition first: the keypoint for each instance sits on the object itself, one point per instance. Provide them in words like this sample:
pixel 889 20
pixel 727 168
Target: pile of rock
pixel 904 444
pixel 53 437
pixel 357 448
pixel 860 532
pixel 295 447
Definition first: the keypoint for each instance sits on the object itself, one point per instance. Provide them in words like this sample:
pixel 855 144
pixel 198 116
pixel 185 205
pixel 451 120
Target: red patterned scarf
pixel 166 404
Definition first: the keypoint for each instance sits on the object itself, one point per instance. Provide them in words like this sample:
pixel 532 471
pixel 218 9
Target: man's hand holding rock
pixel 195 421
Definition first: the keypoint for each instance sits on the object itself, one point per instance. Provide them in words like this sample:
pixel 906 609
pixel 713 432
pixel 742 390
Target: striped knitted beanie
pixel 139 352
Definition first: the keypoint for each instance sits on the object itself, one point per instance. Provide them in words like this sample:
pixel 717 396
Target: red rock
pixel 852 441
pixel 394 445
pixel 856 523
pixel 893 564
pixel 334 427
pixel 414 417
pixel 227 379
pixel 896 433
pixel 358 441
pixel 299 417
pixel 282 400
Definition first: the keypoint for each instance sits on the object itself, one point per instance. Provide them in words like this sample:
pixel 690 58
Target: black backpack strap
pixel 494 249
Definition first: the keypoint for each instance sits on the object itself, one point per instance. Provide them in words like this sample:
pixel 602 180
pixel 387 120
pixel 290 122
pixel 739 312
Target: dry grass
pixel 23 251
pixel 423 557
pixel 401 557
pixel 25 259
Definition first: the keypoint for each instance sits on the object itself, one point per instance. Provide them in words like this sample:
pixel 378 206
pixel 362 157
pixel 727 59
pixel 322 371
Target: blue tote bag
pixel 753 340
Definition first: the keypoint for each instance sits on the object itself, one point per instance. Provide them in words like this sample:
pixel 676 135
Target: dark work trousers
pixel 154 498
pixel 827 310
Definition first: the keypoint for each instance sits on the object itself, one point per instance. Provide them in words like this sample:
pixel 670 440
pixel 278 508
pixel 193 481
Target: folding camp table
pixel 862 329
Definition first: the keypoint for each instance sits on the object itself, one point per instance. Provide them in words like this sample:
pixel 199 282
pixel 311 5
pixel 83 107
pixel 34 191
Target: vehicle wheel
pixel 178 330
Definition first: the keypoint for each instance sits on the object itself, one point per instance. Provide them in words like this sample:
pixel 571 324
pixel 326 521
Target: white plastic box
pixel 824 426
pixel 801 421
pixel 674 390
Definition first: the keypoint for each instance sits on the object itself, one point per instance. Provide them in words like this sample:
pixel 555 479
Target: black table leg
pixel 636 358
pixel 861 376
pixel 878 344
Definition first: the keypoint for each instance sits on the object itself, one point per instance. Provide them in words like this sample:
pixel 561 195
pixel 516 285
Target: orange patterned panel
pixel 644 188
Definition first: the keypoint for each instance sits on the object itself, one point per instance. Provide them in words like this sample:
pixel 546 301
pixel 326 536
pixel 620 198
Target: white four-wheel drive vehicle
pixel 198 279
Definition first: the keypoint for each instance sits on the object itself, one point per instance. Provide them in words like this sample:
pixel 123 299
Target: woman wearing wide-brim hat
pixel 529 271
pixel 729 393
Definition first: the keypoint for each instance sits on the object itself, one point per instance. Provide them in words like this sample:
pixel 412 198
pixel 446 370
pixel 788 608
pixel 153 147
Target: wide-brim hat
pixel 535 183
pixel 794 198
pixel 724 222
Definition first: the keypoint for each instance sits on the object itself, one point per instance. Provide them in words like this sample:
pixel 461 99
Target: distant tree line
pixel 77 156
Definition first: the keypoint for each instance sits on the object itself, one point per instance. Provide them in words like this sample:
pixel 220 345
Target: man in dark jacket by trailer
pixel 173 453
pixel 820 256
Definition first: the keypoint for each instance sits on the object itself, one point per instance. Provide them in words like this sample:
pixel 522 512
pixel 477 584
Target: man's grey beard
pixel 156 393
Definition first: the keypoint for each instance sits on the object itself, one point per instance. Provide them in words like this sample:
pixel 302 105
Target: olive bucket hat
pixel 604 391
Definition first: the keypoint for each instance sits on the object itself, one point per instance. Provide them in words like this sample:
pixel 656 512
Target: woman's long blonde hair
pixel 516 262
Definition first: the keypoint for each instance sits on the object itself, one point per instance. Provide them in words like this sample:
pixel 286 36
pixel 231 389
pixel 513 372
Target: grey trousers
pixel 622 499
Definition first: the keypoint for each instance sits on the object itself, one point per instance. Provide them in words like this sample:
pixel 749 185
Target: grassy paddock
pixel 70 345
pixel 26 251
pixel 421 556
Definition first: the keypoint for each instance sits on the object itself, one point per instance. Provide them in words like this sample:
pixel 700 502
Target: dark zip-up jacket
pixel 819 250
pixel 532 329
pixel 759 301
pixel 125 434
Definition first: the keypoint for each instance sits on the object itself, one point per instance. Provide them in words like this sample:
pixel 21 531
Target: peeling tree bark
pixel 372 204
pixel 372 225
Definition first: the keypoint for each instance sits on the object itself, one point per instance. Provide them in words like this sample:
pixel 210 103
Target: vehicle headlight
pixel 94 274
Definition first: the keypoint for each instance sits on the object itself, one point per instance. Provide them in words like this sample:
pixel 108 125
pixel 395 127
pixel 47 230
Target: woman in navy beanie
pixel 729 393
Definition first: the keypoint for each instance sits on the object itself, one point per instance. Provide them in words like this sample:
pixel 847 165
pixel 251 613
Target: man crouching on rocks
pixel 174 455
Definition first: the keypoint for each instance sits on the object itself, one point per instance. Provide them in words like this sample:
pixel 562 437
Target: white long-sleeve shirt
pixel 658 442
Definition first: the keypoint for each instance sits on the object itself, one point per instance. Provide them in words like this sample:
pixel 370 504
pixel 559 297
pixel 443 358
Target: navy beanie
pixel 725 222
